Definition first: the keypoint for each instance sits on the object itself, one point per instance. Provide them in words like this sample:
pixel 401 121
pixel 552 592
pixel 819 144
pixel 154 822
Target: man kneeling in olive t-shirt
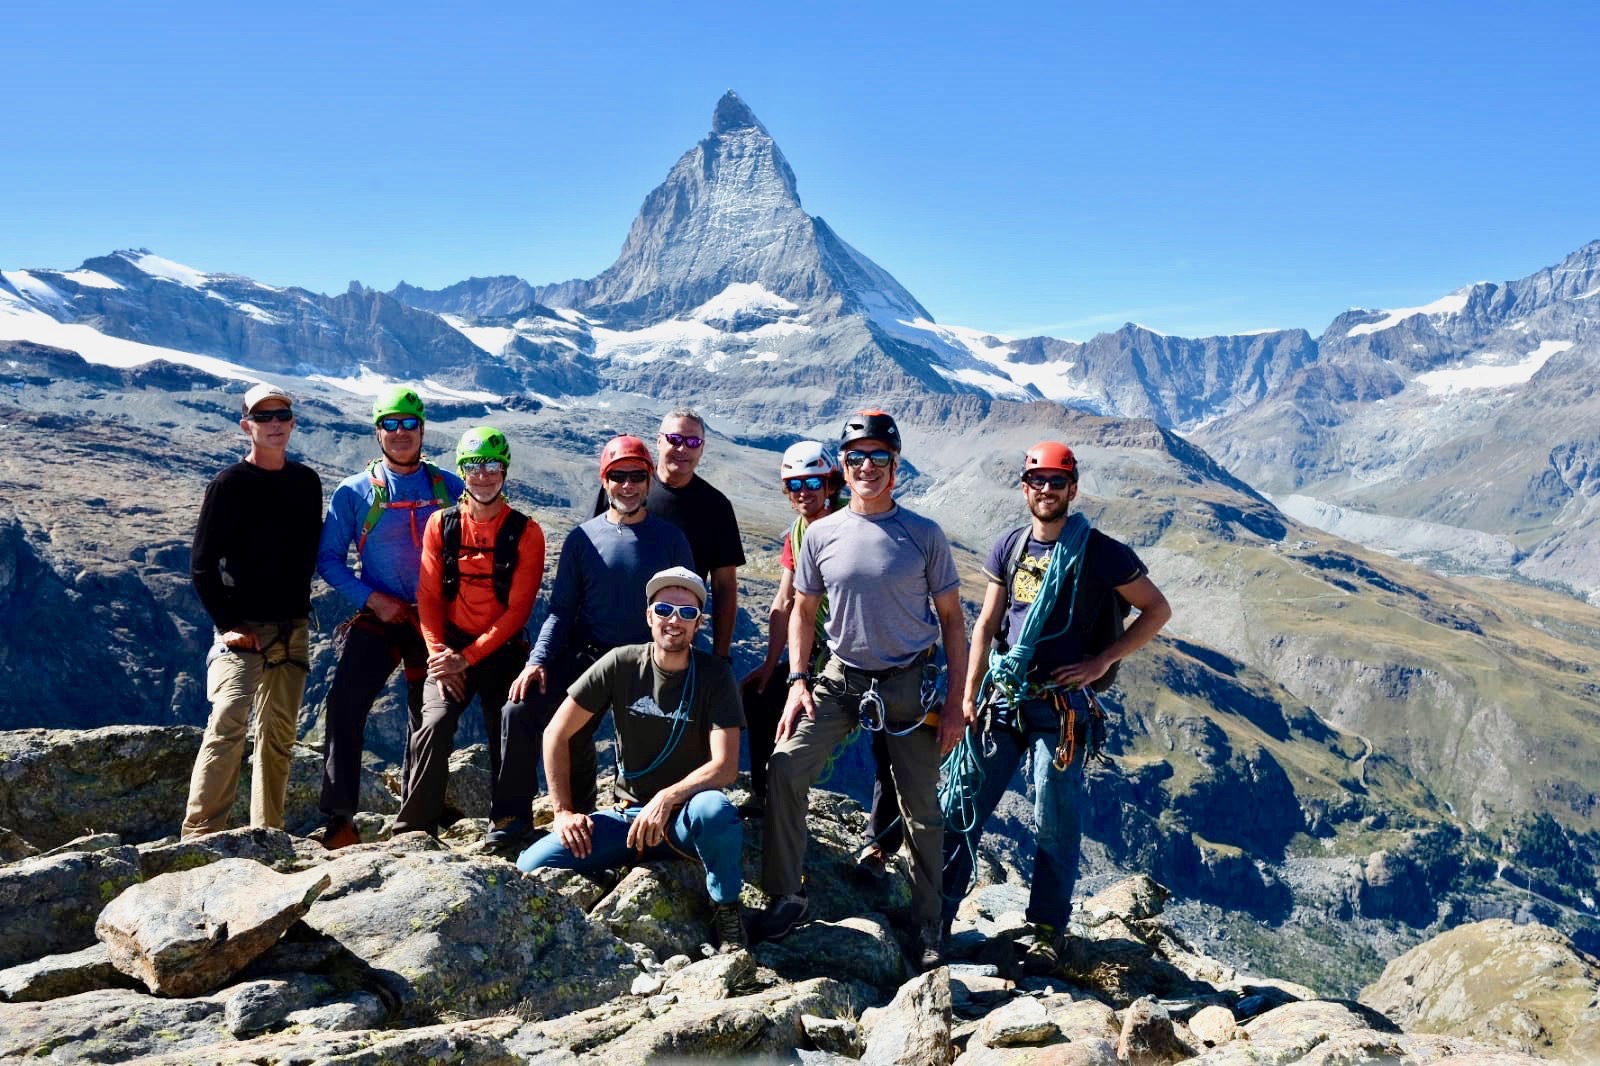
pixel 678 719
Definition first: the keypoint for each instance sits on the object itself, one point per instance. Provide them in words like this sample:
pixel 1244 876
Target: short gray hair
pixel 688 412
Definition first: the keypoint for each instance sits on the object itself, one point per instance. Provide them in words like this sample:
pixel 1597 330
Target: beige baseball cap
pixel 676 577
pixel 265 391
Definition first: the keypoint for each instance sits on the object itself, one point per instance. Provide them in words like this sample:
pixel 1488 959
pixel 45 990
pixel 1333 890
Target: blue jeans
pixel 706 828
pixel 1055 810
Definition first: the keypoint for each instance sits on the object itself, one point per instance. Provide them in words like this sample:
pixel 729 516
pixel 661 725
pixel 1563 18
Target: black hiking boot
pixel 780 917
pixel 728 922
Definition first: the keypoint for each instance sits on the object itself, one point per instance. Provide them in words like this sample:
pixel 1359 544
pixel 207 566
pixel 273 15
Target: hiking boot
pixel 780 917
pixel 340 833
pixel 753 809
pixel 875 864
pixel 930 945
pixel 728 923
pixel 1042 950
pixel 509 834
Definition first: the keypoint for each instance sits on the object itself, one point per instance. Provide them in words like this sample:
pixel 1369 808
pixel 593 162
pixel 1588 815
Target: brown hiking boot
pixel 340 834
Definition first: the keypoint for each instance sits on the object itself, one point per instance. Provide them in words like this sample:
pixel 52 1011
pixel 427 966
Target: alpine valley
pixel 1374 716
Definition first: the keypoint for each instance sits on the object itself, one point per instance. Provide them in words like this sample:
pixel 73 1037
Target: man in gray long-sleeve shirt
pixel 598 603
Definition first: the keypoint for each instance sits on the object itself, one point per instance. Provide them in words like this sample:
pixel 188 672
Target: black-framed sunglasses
pixel 666 610
pixel 1053 482
pixel 482 466
pixel 678 440
pixel 878 457
pixel 796 484
pixel 627 477
pixel 390 423
pixel 277 414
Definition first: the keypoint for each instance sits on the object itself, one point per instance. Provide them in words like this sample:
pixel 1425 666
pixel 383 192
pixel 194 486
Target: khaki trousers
pixel 914 763
pixel 270 682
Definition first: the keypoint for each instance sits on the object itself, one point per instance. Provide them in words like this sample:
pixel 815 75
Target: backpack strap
pixel 450 561
pixel 441 491
pixel 1008 573
pixel 380 502
pixel 507 544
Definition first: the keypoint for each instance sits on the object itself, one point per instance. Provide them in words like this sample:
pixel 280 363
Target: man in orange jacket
pixel 481 565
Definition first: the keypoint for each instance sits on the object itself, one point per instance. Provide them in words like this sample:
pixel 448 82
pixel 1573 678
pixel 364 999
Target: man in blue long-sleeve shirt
pixel 381 512
pixel 598 603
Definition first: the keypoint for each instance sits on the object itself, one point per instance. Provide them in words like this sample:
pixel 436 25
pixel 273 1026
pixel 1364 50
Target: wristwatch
pixel 799 675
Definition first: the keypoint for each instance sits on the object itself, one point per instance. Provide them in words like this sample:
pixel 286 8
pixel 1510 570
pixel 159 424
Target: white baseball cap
pixel 264 391
pixel 676 577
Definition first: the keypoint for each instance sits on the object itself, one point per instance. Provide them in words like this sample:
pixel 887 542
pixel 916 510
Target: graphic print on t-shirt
pixel 1030 577
pixel 646 707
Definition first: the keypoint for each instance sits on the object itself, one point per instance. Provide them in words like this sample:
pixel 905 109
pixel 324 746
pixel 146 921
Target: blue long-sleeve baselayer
pixel 600 579
pixel 393 553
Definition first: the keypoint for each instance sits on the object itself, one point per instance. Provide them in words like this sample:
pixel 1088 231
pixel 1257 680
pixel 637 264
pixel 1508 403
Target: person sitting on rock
pixel 481 564
pixel 1049 633
pixel 678 722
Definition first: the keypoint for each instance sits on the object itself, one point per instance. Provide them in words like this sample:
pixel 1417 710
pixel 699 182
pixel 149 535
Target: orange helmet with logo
pixel 618 449
pixel 1051 455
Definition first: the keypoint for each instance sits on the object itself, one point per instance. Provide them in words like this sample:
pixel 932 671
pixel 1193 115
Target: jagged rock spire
pixel 732 114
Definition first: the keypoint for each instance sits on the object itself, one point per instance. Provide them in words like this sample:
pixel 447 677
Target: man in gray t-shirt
pixel 678 721
pixel 893 593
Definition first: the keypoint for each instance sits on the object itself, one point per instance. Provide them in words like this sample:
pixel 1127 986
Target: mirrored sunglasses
pixel 1053 482
pixel 390 423
pixel 277 414
pixel 795 484
pixel 482 466
pixel 628 477
pixel 667 610
pixel 879 458
pixel 678 440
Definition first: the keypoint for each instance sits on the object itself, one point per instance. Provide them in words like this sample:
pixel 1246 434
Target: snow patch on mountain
pixel 686 341
pixel 741 298
pixel 368 382
pixel 27 324
pixel 1405 538
pixel 491 339
pixel 1452 304
pixel 92 279
pixel 1488 370
pixel 167 270
pixel 33 290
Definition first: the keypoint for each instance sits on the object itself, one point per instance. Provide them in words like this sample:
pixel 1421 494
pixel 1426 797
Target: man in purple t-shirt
pixel 1033 697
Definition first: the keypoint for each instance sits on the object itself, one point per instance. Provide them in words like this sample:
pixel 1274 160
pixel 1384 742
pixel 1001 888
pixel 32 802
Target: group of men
pixel 447 576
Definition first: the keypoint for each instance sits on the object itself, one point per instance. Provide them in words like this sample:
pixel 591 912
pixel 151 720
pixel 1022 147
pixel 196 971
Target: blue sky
pixel 1024 168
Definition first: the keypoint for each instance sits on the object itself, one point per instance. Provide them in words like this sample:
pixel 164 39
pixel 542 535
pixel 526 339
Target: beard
pixel 624 507
pixel 493 496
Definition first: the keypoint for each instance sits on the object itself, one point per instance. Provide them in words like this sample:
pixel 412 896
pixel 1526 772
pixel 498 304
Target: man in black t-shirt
pixel 704 514
pixel 678 719
pixel 1033 697
pixel 255 549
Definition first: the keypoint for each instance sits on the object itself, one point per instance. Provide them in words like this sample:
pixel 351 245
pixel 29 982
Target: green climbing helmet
pixel 483 442
pixel 397 400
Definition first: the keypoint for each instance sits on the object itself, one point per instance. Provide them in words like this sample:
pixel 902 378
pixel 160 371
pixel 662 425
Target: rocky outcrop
pixel 1523 987
pixel 187 933
pixel 55 976
pixel 48 904
pixel 914 1029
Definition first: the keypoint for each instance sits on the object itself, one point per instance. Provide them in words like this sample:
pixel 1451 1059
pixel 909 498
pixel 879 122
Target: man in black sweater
pixel 255 549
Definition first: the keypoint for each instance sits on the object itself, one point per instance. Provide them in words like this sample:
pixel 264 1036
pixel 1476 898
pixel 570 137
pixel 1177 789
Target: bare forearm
pixel 802 631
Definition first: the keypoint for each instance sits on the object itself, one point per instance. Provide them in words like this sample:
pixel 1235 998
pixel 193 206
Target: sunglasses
pixel 667 610
pixel 390 423
pixel 879 458
pixel 627 477
pixel 277 414
pixel 678 440
pixel 1054 482
pixel 795 484
pixel 482 466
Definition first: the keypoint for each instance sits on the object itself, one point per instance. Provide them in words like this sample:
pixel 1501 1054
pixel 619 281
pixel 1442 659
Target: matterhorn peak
pixel 733 114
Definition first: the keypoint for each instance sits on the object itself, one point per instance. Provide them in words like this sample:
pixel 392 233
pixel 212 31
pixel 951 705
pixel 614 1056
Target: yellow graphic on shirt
pixel 1029 578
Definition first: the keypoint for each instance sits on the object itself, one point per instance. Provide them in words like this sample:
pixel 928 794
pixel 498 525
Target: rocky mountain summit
pixel 256 945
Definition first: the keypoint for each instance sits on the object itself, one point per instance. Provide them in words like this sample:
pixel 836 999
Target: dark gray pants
pixel 913 762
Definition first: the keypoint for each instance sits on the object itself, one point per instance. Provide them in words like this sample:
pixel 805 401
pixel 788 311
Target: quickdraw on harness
pixel 680 725
pixel 872 712
pixel 506 552
pixel 275 652
pixel 381 502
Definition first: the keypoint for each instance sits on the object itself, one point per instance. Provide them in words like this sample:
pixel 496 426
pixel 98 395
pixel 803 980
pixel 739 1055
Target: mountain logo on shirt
pixel 646 707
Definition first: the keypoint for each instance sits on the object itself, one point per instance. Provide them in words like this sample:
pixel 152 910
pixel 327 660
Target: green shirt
pixel 646 701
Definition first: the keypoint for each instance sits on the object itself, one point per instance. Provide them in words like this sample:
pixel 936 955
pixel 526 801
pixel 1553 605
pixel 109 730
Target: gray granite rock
pixel 48 903
pixel 914 1029
pixel 55 976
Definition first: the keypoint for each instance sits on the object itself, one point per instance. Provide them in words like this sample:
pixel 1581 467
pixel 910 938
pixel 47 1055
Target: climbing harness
pixel 381 502
pixel 1007 673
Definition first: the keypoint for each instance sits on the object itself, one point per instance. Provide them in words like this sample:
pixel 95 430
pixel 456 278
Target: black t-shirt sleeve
pixel 724 548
